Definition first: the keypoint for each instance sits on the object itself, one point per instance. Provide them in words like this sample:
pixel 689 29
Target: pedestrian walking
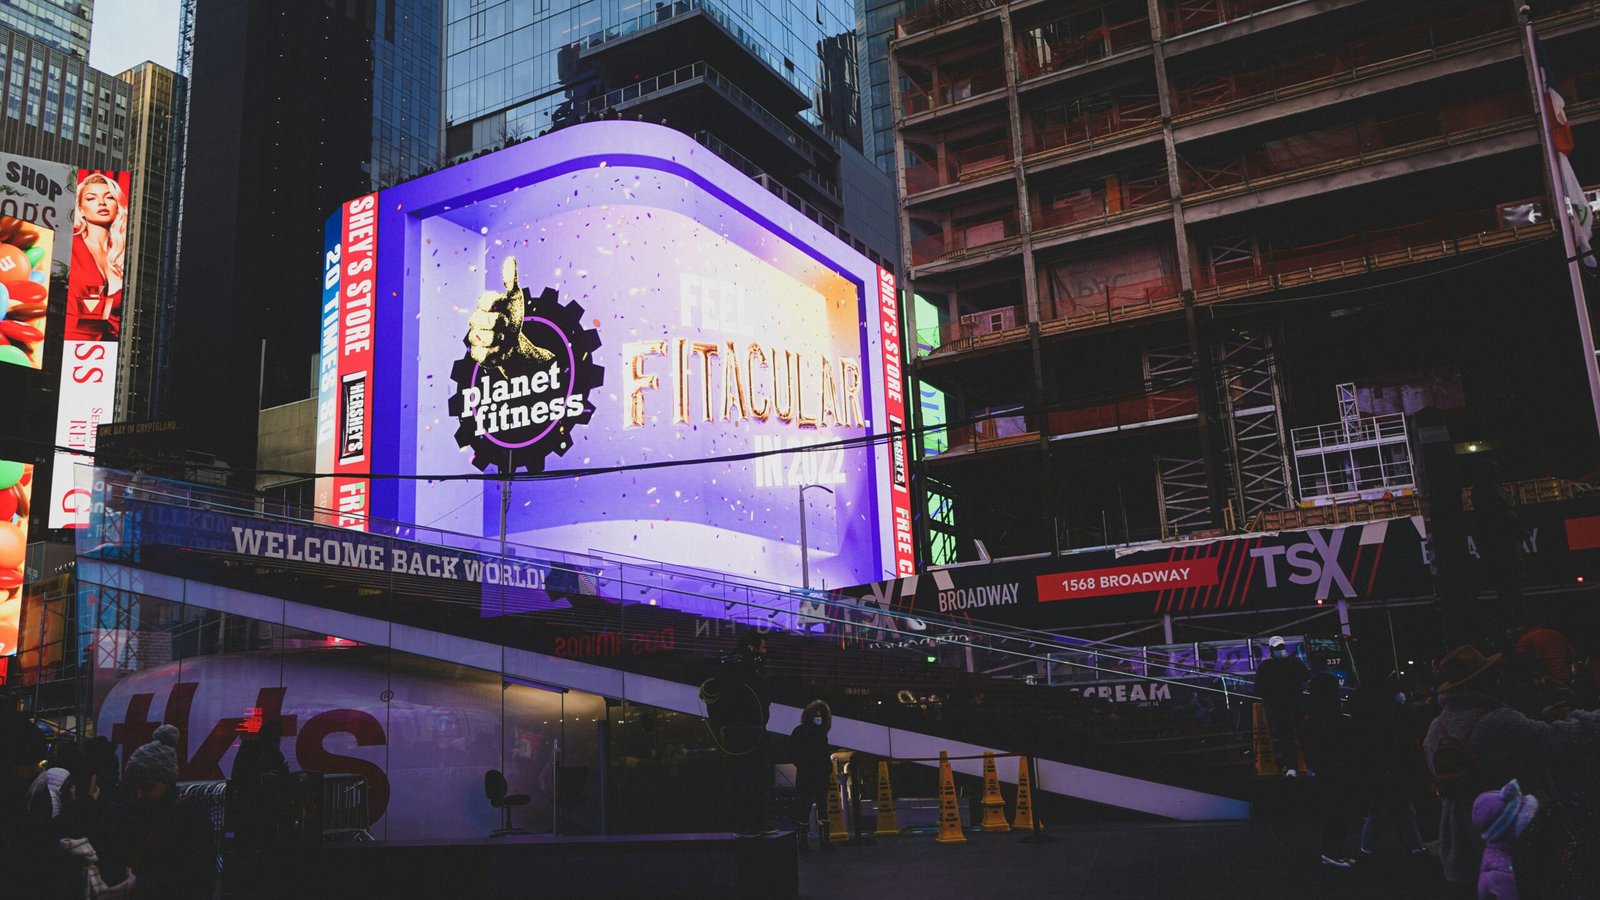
pixel 813 759
pixel 1280 682
pixel 1330 752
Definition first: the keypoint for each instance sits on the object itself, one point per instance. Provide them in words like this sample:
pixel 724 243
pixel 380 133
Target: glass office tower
pixel 63 24
pixel 511 64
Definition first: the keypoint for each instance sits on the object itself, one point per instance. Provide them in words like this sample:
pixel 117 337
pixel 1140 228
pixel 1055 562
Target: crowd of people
pixel 85 826
pixel 77 823
pixel 1499 749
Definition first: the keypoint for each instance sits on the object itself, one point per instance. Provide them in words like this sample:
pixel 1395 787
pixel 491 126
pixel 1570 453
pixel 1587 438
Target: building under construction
pixel 1191 266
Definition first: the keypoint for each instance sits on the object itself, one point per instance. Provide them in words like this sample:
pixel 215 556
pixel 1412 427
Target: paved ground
pixel 1112 861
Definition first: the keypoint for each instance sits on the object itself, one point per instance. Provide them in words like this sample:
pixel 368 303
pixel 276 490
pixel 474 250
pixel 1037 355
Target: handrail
pixel 762 601
pixel 668 12
pixel 1219 93
pixel 940 12
pixel 684 74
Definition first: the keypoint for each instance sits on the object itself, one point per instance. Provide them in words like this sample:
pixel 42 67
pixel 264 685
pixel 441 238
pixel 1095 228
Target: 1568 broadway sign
pixel 1294 568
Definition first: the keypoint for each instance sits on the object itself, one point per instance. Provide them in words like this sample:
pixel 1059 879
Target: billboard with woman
pixel 93 327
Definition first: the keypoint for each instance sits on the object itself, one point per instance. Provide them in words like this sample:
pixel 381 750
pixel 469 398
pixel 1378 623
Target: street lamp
pixel 805 548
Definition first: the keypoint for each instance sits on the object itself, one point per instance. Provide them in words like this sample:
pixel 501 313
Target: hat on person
pixel 168 734
pixel 1463 664
pixel 1275 642
pixel 1507 811
pixel 155 761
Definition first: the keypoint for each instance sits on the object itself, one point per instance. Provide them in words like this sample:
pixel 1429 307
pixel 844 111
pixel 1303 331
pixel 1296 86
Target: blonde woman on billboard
pixel 99 238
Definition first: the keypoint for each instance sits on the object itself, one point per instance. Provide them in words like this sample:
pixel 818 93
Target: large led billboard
pixel 35 204
pixel 89 345
pixel 615 297
pixel 35 212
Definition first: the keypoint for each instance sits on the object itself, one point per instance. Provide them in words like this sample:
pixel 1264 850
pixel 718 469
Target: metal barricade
pixel 213 796
pixel 344 808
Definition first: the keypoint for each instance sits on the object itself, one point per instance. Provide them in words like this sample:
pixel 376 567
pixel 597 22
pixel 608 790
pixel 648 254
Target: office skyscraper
pixel 510 65
pixel 152 111
pixel 62 24
pixel 293 107
pixel 56 107
pixel 771 87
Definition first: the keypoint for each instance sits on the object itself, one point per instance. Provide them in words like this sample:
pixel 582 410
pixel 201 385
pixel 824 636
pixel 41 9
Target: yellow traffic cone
pixel 994 805
pixel 834 828
pixel 949 810
pixel 1024 818
pixel 888 823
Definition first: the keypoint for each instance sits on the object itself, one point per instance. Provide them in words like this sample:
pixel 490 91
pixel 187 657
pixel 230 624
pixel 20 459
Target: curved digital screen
pixel 615 296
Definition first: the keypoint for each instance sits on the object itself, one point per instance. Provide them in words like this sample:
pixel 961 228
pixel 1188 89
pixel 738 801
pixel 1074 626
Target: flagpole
pixel 1558 211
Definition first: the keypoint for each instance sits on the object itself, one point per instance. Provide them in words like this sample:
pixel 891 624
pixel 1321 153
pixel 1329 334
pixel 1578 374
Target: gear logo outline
pixel 550 339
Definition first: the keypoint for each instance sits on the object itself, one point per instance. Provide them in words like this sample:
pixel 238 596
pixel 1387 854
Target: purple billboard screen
pixel 613 295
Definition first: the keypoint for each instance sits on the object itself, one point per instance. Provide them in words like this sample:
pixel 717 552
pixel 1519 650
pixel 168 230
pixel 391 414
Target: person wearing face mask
pixel 737 710
pixel 1280 681
pixel 165 843
pixel 813 756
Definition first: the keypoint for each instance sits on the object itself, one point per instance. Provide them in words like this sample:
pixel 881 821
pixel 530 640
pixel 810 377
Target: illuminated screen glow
pixel 91 338
pixel 715 321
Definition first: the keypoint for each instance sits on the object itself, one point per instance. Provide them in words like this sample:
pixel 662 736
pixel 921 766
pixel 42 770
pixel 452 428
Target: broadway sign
pixel 1386 560
pixel 1265 571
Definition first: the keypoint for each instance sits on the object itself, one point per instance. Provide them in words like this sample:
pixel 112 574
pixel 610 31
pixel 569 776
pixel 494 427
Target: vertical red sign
pixel 357 289
pixel 894 401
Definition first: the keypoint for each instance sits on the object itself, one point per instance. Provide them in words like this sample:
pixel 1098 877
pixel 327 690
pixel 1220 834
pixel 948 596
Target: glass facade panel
pixel 62 24
pixel 402 742
pixel 513 56
pixel 405 90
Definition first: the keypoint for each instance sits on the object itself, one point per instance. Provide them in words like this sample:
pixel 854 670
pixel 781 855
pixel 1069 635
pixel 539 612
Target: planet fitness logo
pixel 525 381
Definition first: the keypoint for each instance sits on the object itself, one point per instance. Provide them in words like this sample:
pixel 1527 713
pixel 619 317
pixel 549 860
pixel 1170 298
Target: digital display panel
pixel 95 289
pixel 16 496
pixel 24 291
pixel 613 295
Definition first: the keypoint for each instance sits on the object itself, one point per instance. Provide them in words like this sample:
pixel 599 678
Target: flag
pixel 1568 188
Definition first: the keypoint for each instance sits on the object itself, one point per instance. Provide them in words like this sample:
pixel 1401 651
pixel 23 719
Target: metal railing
pixel 668 12
pixel 950 87
pixel 940 12
pixel 1040 53
pixel 1350 146
pixel 1350 62
pixel 1122 116
pixel 682 75
pixel 1003 227
pixel 142 521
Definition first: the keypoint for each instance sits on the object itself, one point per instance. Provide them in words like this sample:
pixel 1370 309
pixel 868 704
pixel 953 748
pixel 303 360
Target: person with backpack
pixel 737 710
pixel 1478 744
